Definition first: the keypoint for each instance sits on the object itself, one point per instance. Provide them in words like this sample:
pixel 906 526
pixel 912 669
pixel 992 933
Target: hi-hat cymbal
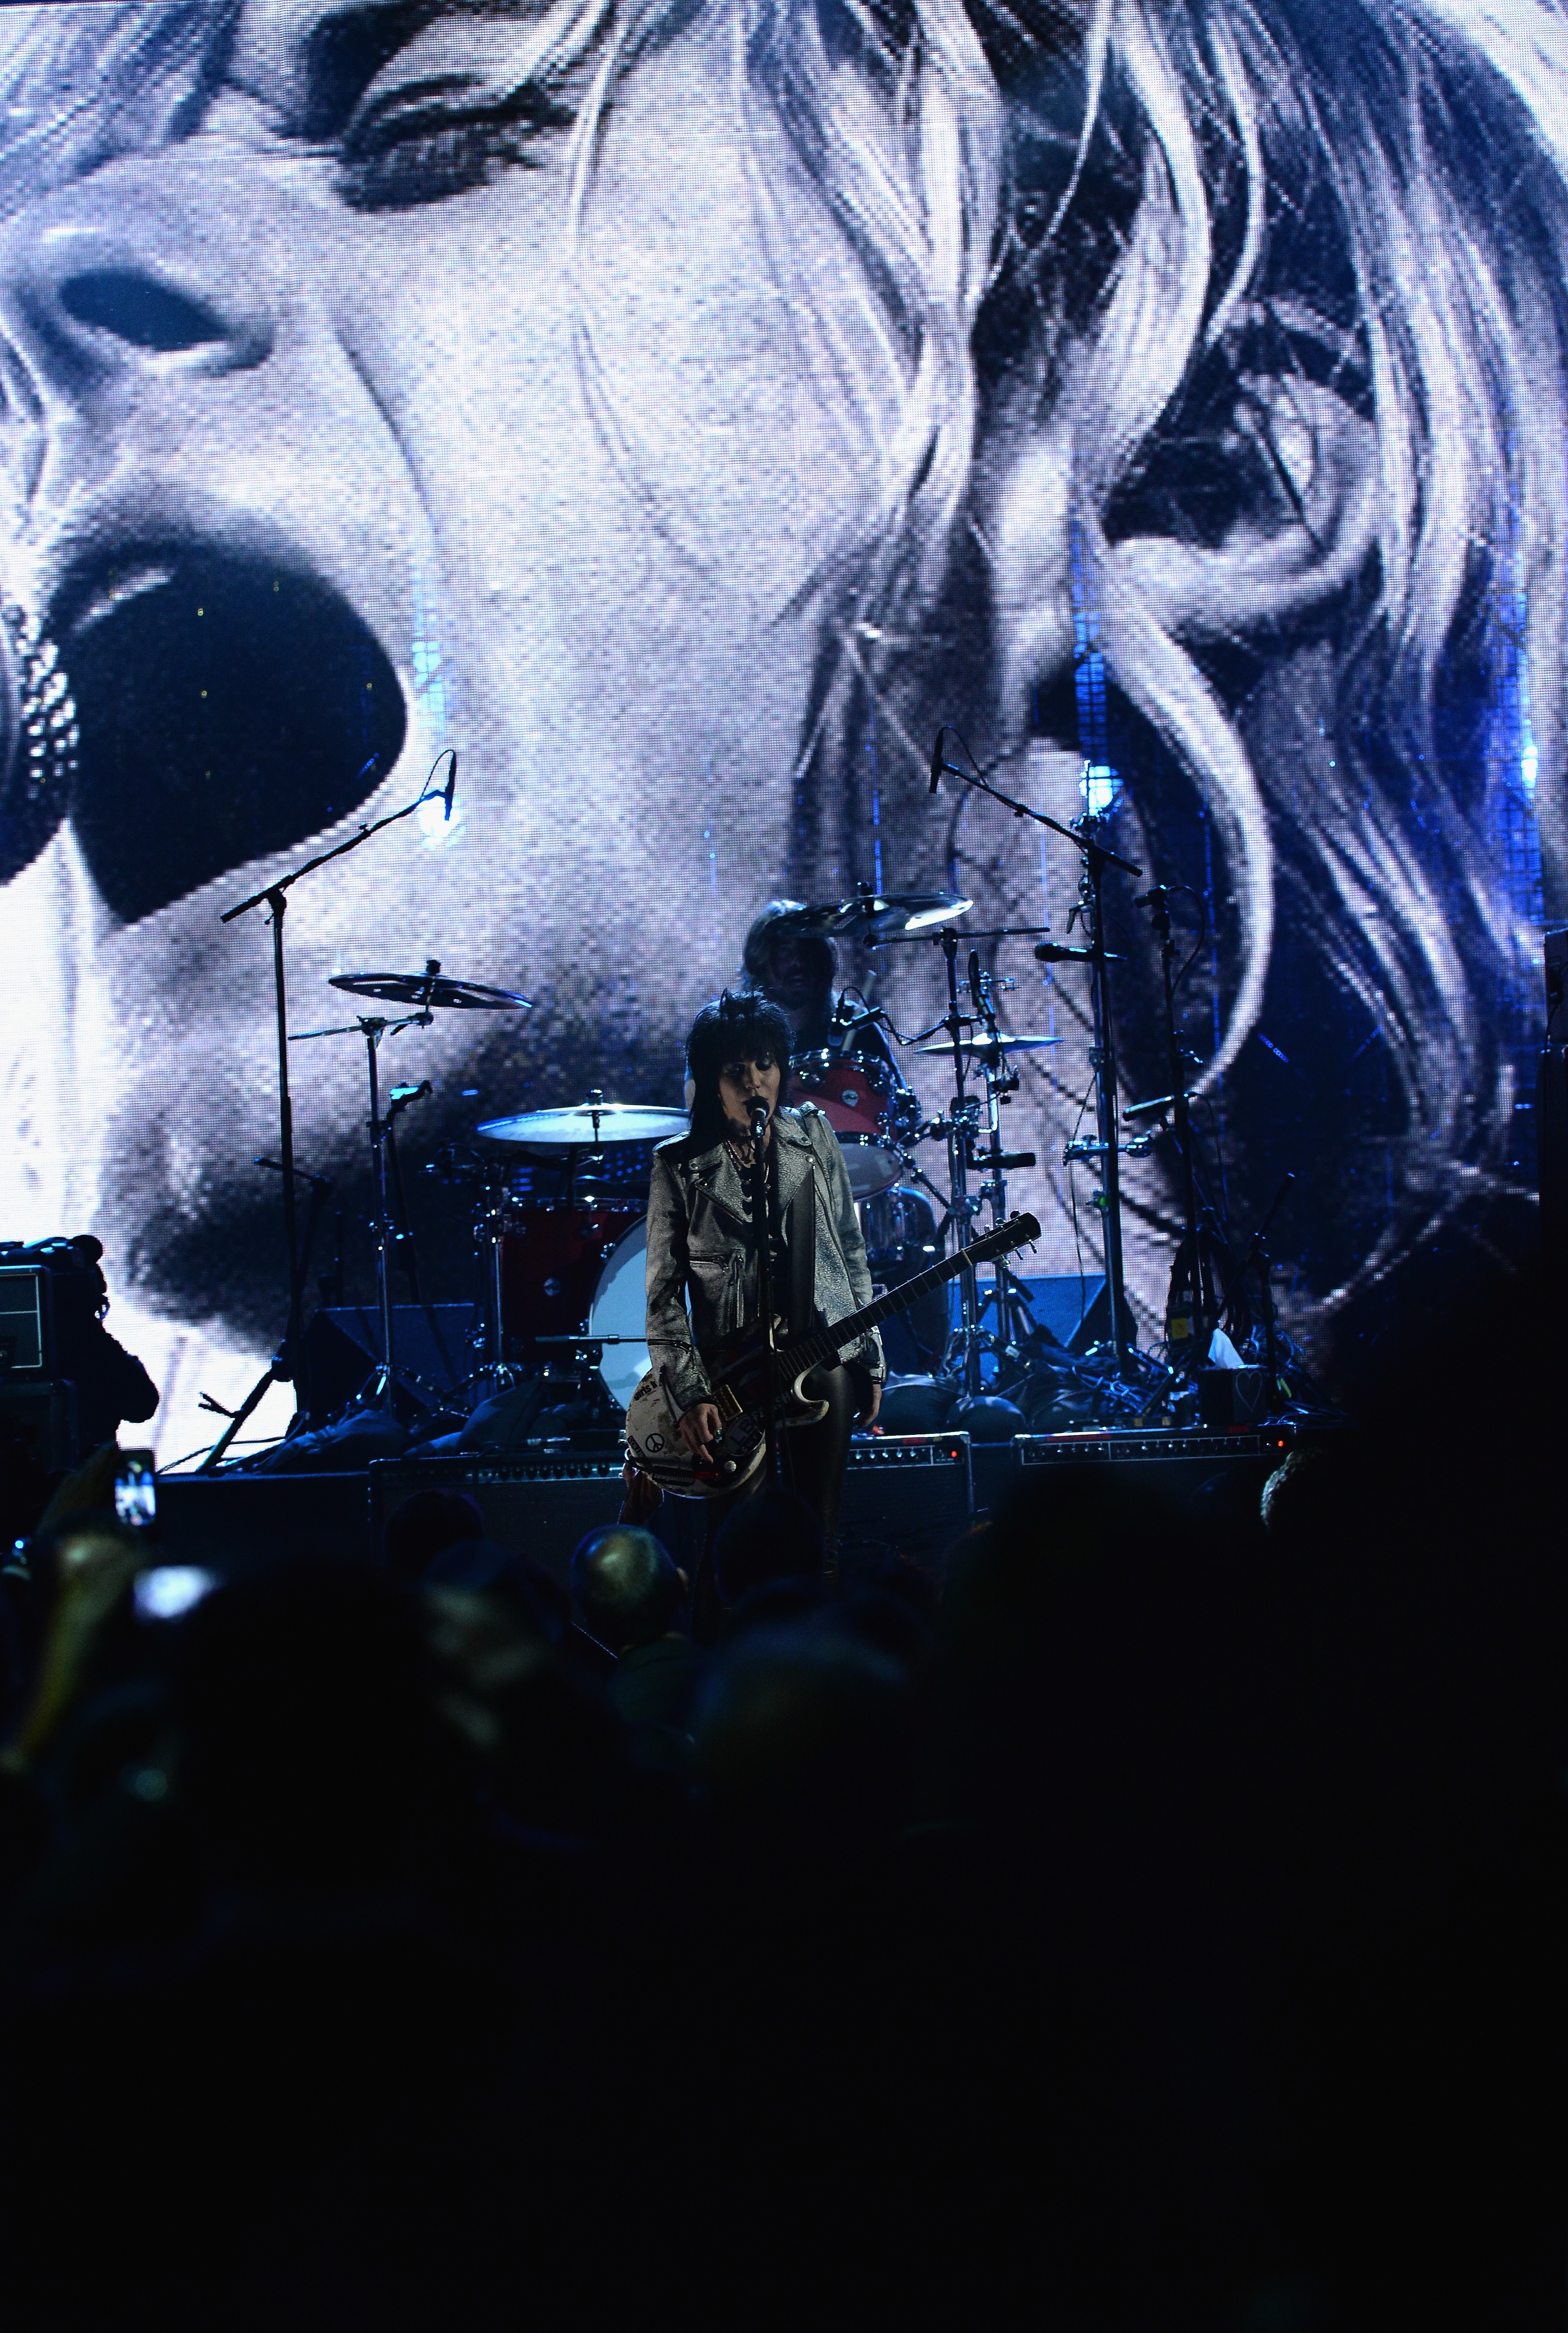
pixel 423 989
pixel 587 1125
pixel 979 1049
pixel 872 915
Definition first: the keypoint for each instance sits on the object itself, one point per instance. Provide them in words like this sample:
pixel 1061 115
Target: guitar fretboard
pixel 807 1353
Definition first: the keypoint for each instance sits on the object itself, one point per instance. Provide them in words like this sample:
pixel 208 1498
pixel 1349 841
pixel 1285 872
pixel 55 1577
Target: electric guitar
pixel 738 1378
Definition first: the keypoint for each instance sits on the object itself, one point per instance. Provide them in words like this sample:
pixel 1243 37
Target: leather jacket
pixel 700 1250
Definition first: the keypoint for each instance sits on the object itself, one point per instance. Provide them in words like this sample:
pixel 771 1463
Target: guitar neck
pixel 808 1352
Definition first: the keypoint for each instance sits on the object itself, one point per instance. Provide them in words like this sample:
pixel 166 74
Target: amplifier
pixel 26 1322
pixel 906 1492
pixel 542 1506
pixel 1174 1464
pixel 911 1495
pixel 38 1422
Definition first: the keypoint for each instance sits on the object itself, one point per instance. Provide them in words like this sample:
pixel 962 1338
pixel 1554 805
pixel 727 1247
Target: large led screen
pixel 683 411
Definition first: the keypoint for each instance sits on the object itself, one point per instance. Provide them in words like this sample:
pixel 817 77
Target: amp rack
pixel 1124 1446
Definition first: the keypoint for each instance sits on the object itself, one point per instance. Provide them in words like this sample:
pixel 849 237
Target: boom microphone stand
pixel 283 1367
pixel 1196 1328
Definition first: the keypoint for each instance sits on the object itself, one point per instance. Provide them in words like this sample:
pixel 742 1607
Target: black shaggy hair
pixel 732 1029
pixel 757 952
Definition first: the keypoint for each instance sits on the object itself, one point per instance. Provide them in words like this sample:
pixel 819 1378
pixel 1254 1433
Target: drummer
pixel 797 973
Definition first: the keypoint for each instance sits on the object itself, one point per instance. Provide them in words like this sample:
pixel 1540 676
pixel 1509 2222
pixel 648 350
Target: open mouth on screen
pixel 227 708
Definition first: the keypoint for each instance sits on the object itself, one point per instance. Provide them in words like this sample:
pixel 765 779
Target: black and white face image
pixel 682 410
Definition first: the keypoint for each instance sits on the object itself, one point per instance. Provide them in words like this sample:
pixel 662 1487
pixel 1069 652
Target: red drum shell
pixel 550 1262
pixel 855 1093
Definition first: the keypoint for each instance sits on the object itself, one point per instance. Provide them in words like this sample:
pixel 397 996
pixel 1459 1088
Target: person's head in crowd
pixel 625 1588
pixel 776 1604
pixel 894 1574
pixel 771 1535
pixel 892 1625
pixel 421 1525
pixel 483 1567
pixel 806 1744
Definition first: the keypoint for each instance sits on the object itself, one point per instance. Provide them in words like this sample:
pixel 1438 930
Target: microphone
pixel 451 787
pixel 1156 891
pixel 936 757
pixel 758 1113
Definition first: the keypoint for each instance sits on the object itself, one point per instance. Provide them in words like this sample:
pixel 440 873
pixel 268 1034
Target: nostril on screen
pixel 136 308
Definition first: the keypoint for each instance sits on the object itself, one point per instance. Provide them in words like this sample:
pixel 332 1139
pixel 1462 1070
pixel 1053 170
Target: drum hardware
pixel 1193 1310
pixel 1088 912
pixel 280 1369
pixel 428 992
pixel 390 1222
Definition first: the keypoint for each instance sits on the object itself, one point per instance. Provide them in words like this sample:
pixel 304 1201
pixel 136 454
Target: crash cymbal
pixel 422 990
pixel 587 1125
pixel 872 915
pixel 980 1048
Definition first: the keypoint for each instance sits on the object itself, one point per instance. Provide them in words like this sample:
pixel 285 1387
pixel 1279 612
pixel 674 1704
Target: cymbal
pixel 587 1125
pixel 980 1048
pixel 872 915
pixel 421 989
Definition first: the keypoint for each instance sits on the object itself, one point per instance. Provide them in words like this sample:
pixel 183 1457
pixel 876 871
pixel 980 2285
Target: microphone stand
pixel 1205 1305
pixel 282 1369
pixel 1090 911
pixel 762 1218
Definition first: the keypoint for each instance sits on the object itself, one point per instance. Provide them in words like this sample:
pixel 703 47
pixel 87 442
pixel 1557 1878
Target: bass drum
pixel 551 1261
pixel 620 1309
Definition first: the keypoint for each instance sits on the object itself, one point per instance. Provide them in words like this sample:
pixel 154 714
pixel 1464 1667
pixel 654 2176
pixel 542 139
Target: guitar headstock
pixel 1018 1231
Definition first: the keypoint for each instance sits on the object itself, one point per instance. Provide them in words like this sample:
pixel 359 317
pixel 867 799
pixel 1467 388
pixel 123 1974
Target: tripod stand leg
pixel 251 1403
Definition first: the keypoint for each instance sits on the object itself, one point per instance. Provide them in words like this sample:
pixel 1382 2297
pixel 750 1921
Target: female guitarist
pixel 702 1244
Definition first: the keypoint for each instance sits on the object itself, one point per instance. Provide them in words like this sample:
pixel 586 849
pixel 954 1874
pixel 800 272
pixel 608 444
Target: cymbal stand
pixel 489 1234
pixel 1014 1321
pixel 1195 1329
pixel 378 1391
pixel 1090 912
pixel 961 1127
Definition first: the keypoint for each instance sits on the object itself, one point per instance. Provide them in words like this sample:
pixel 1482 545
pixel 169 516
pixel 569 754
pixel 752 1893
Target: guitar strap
pixel 800 1239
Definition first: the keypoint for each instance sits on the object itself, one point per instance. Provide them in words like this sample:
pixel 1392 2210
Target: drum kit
pixel 559 1197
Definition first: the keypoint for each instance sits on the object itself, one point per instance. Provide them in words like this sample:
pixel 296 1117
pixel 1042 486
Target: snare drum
pixel 860 1096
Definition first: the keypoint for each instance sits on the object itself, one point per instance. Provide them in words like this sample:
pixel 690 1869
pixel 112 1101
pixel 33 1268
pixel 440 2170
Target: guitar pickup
pixel 728 1402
